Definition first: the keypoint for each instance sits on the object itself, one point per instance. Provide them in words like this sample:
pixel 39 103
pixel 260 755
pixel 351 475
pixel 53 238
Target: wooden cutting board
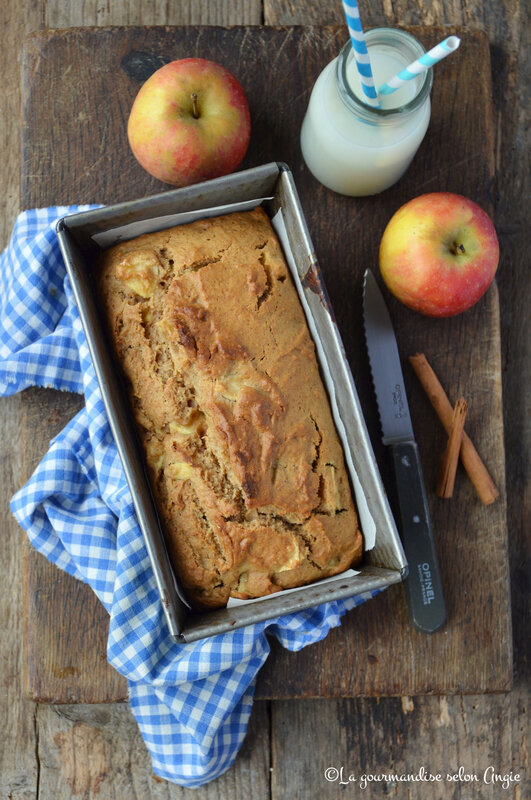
pixel 78 87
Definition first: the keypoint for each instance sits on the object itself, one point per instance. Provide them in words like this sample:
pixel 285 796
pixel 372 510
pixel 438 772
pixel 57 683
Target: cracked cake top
pixel 243 456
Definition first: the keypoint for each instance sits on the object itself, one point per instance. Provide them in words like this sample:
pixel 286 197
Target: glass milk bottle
pixel 353 148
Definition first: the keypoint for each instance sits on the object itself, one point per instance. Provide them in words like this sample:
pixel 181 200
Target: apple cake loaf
pixel 244 460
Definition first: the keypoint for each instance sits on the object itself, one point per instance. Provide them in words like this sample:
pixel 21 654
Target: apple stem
pixel 456 248
pixel 195 108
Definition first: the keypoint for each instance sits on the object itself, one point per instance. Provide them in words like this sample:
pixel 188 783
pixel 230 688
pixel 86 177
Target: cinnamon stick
pixel 446 482
pixel 472 462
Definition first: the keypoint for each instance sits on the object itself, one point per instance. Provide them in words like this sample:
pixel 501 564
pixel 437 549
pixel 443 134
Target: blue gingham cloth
pixel 192 701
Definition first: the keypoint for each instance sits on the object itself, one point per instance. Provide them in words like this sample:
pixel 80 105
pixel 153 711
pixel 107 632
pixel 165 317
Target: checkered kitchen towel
pixel 192 701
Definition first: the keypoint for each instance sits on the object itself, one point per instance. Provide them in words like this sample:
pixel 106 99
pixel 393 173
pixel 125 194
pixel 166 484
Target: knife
pixel 423 585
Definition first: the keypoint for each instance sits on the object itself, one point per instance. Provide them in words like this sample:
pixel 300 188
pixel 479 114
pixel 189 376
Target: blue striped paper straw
pixel 429 59
pixel 357 38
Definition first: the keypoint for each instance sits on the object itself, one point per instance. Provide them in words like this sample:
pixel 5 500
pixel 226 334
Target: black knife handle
pixel 423 584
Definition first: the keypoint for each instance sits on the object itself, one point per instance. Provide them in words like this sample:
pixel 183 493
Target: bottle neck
pixel 402 47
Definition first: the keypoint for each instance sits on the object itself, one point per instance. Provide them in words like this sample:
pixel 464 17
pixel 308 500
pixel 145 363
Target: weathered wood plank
pixel 511 57
pixel 18 769
pixel 151 12
pixel 506 21
pixel 16 23
pixel 398 737
pixel 97 752
pixel 18 766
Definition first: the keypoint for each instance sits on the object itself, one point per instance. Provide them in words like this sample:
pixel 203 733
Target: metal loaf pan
pixel 78 235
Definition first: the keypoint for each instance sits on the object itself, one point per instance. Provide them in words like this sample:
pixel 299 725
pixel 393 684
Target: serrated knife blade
pixel 385 365
pixel 423 584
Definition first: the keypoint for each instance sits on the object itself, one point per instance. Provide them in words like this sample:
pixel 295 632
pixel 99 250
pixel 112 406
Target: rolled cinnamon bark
pixel 476 470
pixel 446 482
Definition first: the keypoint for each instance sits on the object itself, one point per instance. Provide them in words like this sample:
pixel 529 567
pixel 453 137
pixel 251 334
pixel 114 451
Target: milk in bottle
pixel 355 149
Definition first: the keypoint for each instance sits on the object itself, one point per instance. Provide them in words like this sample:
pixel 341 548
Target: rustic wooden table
pixel 60 751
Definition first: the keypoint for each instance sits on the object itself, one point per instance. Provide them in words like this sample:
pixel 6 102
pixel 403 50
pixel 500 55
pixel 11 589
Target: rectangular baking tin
pixel 383 565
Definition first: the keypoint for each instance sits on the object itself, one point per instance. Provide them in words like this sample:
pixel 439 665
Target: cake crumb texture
pixel 244 460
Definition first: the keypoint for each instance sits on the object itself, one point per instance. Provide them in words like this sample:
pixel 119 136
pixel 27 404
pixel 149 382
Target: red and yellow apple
pixel 189 122
pixel 439 253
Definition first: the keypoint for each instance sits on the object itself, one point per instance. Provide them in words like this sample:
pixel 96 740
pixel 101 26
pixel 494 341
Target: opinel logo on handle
pixel 424 591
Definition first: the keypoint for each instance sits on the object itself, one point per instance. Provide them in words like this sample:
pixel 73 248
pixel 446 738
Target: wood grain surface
pixel 96 752
pixel 305 736
pixel 390 738
pixel 84 157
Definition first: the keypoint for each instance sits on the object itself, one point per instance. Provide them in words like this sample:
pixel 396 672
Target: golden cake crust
pixel 243 456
